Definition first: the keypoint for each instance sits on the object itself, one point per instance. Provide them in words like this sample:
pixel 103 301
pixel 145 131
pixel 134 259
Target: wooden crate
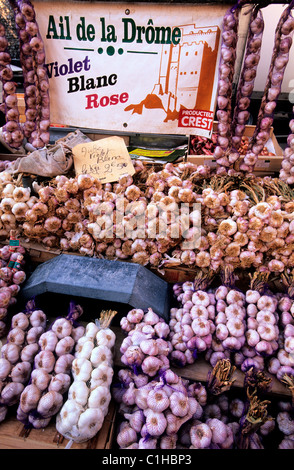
pixel 265 164
pixel 13 435
pixel 21 107
pixel 176 274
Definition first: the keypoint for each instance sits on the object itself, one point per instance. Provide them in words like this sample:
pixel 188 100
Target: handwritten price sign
pixel 106 159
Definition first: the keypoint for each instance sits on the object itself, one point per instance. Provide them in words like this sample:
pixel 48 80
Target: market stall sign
pixel 106 159
pixel 147 68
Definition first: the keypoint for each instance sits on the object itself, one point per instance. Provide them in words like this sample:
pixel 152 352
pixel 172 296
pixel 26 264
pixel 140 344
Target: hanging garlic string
pixel 12 130
pixel 225 85
pixel 279 61
pixel 287 165
pixel 246 81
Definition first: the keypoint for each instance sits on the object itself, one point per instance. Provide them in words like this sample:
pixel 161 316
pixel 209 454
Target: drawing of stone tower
pixel 186 74
pixel 184 78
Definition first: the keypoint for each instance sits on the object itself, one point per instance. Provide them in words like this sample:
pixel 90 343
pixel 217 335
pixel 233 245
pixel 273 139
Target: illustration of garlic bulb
pixel 50 378
pixel 82 415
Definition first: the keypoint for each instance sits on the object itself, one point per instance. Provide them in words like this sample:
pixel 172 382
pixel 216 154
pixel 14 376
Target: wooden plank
pixel 198 371
pixel 13 435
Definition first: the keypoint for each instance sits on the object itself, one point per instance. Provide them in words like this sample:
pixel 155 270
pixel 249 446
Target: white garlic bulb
pixel 84 347
pixel 101 375
pixel 105 337
pixel 100 398
pixel 79 392
pixel 62 327
pixel 82 415
pixel 101 354
pixel 48 341
pixel 5 368
pixel 90 422
pixel 68 416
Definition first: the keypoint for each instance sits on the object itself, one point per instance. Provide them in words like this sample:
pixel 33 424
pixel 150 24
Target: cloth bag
pixel 48 162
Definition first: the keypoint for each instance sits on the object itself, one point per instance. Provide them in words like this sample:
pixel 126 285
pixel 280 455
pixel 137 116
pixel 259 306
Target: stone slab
pixel 93 278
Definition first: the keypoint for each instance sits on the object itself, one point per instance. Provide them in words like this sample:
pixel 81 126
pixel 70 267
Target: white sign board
pixel 145 68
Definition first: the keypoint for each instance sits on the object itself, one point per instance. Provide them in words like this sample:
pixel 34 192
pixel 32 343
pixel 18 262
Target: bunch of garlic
pixel 83 413
pixel 282 364
pixel 262 331
pixel 50 378
pixel 146 347
pixel 15 201
pixel 154 409
pixel 57 219
pixel 230 324
pixel 219 426
pixel 18 354
pixel 192 323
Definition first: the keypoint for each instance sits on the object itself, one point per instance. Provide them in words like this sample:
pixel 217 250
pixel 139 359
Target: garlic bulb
pixel 89 394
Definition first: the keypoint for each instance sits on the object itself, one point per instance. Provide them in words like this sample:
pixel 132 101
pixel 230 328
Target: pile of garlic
pixel 166 411
pixel 153 399
pixel 251 328
pixel 18 354
pixel 82 415
pixel 152 218
pixel 15 201
pixel 154 409
pixel 50 378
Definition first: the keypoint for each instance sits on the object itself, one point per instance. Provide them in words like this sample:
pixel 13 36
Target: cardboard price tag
pixel 106 159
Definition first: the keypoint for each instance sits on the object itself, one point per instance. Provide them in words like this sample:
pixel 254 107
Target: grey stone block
pixel 116 281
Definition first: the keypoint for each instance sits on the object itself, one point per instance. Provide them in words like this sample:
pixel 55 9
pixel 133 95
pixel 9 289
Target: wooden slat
pixel 13 435
pixel 198 371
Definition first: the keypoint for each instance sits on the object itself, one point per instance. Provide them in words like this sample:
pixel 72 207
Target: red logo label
pixel 196 118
